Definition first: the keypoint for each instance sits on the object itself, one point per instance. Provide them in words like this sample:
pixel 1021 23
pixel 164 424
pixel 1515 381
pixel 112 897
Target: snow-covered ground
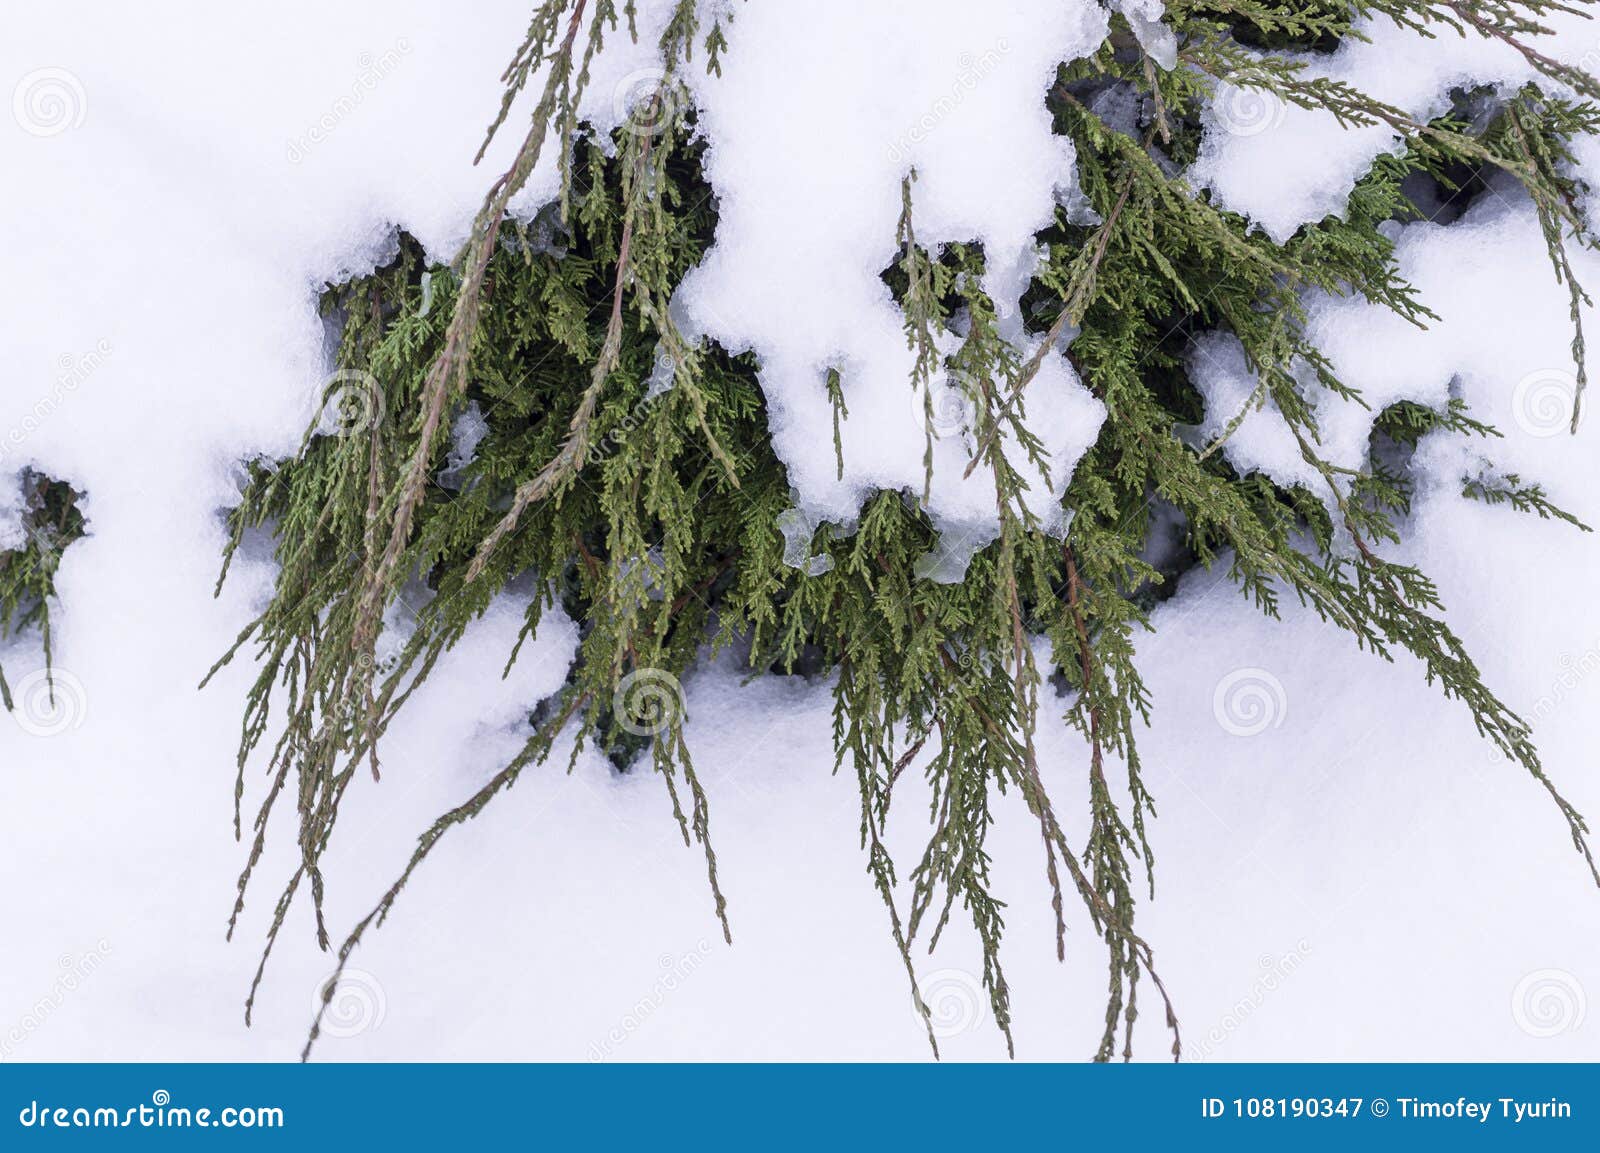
pixel 1344 869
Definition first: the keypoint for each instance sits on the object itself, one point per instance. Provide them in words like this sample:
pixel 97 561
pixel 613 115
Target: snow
pixel 12 533
pixel 1144 17
pixel 1343 869
pixel 1497 300
pixel 1262 442
pixel 1284 166
pixel 881 90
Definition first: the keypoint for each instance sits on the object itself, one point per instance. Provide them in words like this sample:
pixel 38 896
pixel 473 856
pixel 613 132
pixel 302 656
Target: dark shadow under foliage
pixel 51 523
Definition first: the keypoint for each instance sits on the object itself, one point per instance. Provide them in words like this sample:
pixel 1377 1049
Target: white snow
pixel 1158 40
pixel 1496 298
pixel 1343 870
pixel 12 533
pixel 821 111
pixel 1284 166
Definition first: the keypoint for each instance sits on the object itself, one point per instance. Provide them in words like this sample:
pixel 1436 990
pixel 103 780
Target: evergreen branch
pixel 51 523
pixel 627 475
pixel 449 370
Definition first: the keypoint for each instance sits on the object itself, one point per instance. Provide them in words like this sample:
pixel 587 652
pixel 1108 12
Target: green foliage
pixel 630 471
pixel 51 522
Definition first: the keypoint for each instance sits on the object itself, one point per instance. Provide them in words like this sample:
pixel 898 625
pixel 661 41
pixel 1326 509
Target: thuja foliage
pixel 51 522
pixel 625 471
